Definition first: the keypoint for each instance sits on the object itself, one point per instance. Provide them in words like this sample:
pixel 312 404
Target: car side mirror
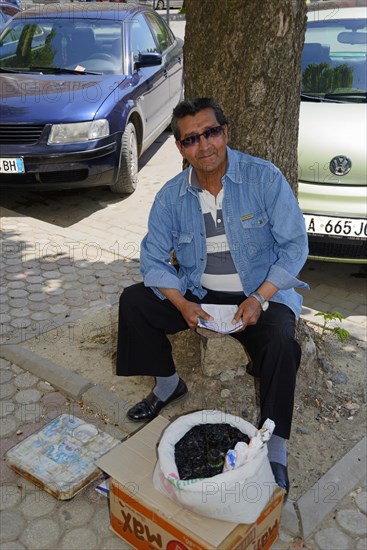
pixel 148 60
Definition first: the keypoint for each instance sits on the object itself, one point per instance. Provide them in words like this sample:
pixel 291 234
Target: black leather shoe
pixel 281 476
pixel 150 407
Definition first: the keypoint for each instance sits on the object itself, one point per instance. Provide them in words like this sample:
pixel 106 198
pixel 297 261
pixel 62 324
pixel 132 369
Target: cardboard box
pixel 149 520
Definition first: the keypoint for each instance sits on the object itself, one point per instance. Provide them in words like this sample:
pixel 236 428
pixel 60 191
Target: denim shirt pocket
pixel 256 220
pixel 184 248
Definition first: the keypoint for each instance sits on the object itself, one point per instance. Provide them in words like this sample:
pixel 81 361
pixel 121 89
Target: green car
pixel 332 133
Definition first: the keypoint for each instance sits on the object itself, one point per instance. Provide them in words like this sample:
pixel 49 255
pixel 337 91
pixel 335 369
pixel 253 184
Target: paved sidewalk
pixel 50 274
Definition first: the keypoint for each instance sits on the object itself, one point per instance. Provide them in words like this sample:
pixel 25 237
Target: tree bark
pixel 247 55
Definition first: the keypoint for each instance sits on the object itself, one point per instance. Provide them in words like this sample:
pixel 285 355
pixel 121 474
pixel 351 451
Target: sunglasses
pixel 195 138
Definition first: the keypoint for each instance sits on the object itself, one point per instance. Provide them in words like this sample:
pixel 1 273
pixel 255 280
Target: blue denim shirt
pixel 264 226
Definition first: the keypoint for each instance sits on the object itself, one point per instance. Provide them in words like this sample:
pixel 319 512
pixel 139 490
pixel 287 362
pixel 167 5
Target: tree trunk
pixel 247 55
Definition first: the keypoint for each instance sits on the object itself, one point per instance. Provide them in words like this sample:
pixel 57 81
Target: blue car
pixel 85 88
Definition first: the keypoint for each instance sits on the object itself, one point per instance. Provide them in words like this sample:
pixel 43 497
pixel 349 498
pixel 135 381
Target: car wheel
pixel 127 178
pixel 159 5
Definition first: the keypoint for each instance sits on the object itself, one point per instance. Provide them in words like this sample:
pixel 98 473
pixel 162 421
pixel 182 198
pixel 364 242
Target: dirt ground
pixel 330 410
pixel 330 402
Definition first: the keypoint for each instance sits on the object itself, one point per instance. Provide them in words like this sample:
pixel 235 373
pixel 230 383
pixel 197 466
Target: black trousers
pixel 144 349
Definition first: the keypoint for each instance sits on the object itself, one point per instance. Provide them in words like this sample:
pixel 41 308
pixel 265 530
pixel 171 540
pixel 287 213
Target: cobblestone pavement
pixel 48 276
pixel 32 519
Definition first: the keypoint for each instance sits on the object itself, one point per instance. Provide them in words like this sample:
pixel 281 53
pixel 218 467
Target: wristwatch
pixel 264 303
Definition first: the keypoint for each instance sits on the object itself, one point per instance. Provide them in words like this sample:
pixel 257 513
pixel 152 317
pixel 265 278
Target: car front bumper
pixel 336 221
pixel 61 167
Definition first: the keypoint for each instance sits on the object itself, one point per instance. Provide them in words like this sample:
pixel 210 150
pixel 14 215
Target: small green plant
pixel 341 333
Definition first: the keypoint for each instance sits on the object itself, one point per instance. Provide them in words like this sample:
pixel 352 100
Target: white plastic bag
pixel 238 495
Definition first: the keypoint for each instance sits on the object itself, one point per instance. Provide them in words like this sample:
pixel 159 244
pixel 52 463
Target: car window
pixel 10 35
pixel 3 18
pixel 162 33
pixel 334 57
pixel 51 43
pixel 142 40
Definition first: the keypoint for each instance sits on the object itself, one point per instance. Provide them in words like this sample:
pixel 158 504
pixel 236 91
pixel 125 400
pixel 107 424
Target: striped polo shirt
pixel 220 272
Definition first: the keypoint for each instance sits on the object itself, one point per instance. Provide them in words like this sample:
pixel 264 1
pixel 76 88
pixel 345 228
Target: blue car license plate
pixel 12 166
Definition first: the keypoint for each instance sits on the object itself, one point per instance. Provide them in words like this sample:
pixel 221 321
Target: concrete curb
pixel 332 487
pixel 67 381
pixel 75 386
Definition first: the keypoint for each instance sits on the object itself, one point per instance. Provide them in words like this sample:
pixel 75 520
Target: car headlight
pixel 79 131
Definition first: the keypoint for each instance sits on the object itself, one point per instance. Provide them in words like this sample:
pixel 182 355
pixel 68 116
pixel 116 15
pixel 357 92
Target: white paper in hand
pixel 222 318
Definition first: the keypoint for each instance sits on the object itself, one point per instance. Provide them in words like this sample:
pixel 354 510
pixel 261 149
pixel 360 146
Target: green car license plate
pixel 12 166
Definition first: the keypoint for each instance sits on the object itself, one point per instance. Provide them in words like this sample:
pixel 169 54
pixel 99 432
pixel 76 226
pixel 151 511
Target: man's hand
pixel 191 313
pixel 248 312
